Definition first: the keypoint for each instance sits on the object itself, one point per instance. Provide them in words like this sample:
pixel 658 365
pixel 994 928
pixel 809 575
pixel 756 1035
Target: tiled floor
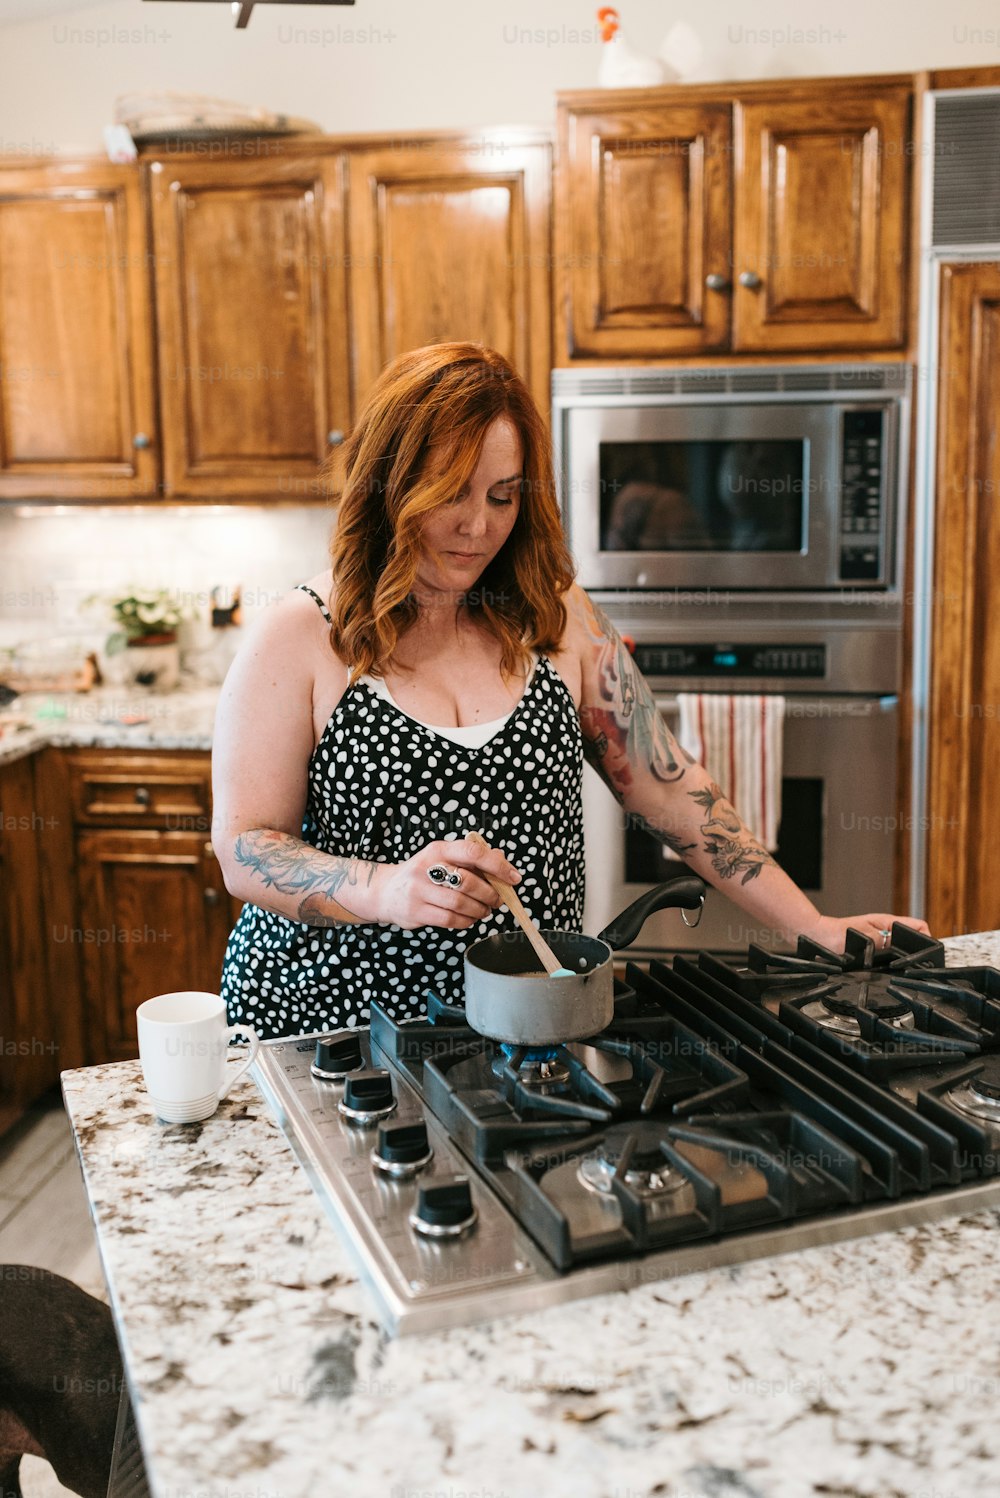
pixel 45 1221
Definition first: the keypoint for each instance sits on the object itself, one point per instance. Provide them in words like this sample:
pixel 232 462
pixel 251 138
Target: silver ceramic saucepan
pixel 508 998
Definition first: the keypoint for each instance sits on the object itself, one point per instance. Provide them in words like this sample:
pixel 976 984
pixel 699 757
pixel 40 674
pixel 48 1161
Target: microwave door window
pixel 719 496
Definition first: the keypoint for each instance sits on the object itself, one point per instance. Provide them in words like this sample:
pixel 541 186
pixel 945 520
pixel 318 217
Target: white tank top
pixel 474 736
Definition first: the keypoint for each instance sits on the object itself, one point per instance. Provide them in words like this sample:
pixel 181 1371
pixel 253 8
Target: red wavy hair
pixel 441 400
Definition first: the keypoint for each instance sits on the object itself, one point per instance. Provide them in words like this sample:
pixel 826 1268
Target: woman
pixel 446 675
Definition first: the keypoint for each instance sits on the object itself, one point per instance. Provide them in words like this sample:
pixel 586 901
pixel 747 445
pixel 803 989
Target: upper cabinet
pixel 260 297
pixel 645 228
pixel 452 240
pixel 77 412
pixel 210 329
pixel 251 302
pixel 819 244
pixel 774 222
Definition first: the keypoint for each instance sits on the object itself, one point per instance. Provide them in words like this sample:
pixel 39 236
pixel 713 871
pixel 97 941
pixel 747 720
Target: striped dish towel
pixel 739 740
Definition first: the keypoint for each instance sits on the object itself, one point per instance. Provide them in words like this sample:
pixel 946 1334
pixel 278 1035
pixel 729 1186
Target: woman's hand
pixel 831 931
pixel 403 894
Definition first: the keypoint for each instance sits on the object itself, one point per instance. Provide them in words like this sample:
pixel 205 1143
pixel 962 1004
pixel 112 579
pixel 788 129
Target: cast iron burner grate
pixel 884 1010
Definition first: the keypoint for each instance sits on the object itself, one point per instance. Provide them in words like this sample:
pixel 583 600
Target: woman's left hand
pixel 831 931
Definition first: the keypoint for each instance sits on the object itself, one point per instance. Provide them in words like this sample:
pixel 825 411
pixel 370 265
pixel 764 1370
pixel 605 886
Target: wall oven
pixel 743 530
pixel 836 835
pixel 775 478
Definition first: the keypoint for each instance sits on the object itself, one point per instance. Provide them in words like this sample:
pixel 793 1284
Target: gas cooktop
pixel 727 1113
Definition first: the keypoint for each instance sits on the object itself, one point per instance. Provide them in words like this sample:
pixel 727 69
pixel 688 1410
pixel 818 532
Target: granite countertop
pixel 108 718
pixel 864 1368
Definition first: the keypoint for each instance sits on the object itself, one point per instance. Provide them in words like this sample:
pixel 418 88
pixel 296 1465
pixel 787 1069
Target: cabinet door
pixel 963 880
pixel 821 214
pixel 29 1042
pixel 76 378
pixel 451 241
pixel 251 321
pixel 643 230
pixel 154 918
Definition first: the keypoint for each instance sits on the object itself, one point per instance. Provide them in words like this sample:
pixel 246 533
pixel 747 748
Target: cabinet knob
pixel 212 896
pixel 142 796
pixel 715 282
pixel 140 440
pixel 750 279
pixel 334 438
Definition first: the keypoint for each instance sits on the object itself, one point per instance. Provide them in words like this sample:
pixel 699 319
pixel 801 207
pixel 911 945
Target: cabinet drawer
pixel 142 791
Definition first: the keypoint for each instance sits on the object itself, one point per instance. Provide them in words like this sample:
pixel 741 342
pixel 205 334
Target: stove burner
pixel 839 1004
pixel 540 1067
pixel 883 1004
pixel 542 1074
pixel 648 1173
pixel 978 1096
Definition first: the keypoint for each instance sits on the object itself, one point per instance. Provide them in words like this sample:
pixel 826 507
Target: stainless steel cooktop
pixel 472 1180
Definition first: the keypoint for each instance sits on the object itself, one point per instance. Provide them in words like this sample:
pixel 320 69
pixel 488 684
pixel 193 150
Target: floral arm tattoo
pixel 627 742
pixel 293 867
pixel 729 844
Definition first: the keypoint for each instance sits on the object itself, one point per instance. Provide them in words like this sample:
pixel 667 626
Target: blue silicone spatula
pixel 550 962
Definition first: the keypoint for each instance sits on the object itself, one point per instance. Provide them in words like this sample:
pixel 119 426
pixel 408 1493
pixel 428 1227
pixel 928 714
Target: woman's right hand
pixel 402 894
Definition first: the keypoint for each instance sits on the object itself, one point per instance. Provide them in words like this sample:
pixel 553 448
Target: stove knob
pixel 336 1055
pixel 367 1097
pixel 402 1150
pixel 444 1209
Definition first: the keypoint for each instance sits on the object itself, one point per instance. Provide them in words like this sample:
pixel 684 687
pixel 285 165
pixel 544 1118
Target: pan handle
pixel 688 892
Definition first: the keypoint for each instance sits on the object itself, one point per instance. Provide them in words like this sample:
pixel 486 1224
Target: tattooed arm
pixel 312 881
pixel 664 789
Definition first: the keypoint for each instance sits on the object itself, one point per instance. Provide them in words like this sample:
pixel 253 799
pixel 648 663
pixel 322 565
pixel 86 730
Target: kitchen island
pixel 869 1367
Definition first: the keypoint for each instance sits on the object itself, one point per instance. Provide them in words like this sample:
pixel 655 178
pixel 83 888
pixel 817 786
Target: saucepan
pixel 508 997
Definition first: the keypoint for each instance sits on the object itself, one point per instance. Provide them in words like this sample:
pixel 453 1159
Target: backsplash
pixel 52 558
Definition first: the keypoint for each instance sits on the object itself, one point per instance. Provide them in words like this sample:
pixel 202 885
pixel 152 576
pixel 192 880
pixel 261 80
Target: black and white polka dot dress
pixel 381 787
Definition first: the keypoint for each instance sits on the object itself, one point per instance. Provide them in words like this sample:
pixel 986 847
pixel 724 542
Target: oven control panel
pixel 789 662
pixel 862 497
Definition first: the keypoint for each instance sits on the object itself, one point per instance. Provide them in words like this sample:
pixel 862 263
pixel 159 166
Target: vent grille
pixel 966 169
pixel 829 379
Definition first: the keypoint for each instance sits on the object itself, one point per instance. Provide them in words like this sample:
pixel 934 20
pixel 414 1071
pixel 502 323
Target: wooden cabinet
pixel 821 205
pixel 963 881
pixel 251 288
pixel 154 918
pixel 77 417
pixel 645 228
pixel 29 1038
pixel 452 240
pixel 772 222
pixel 141 790
pixel 153 911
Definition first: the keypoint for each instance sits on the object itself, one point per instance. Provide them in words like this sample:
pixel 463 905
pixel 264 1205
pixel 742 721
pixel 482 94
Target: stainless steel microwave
pixel 764 478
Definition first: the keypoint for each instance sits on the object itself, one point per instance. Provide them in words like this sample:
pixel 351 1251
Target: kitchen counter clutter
pixel 257 1364
pixel 108 718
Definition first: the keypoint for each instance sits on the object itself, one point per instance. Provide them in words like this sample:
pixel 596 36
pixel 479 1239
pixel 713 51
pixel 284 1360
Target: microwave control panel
pixel 862 497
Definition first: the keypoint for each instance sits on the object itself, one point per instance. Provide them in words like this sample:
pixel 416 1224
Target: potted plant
pixel 146 624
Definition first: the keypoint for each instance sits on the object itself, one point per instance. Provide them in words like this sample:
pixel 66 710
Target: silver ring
pixel 439 874
pixel 885 938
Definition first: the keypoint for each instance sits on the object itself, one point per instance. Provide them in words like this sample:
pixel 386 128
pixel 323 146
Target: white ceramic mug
pixel 184 1047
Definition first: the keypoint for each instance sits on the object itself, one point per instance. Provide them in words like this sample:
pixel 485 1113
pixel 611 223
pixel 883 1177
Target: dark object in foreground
pixel 60 1380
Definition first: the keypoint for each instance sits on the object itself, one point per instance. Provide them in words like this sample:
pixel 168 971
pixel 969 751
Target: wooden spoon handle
pixel 550 962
